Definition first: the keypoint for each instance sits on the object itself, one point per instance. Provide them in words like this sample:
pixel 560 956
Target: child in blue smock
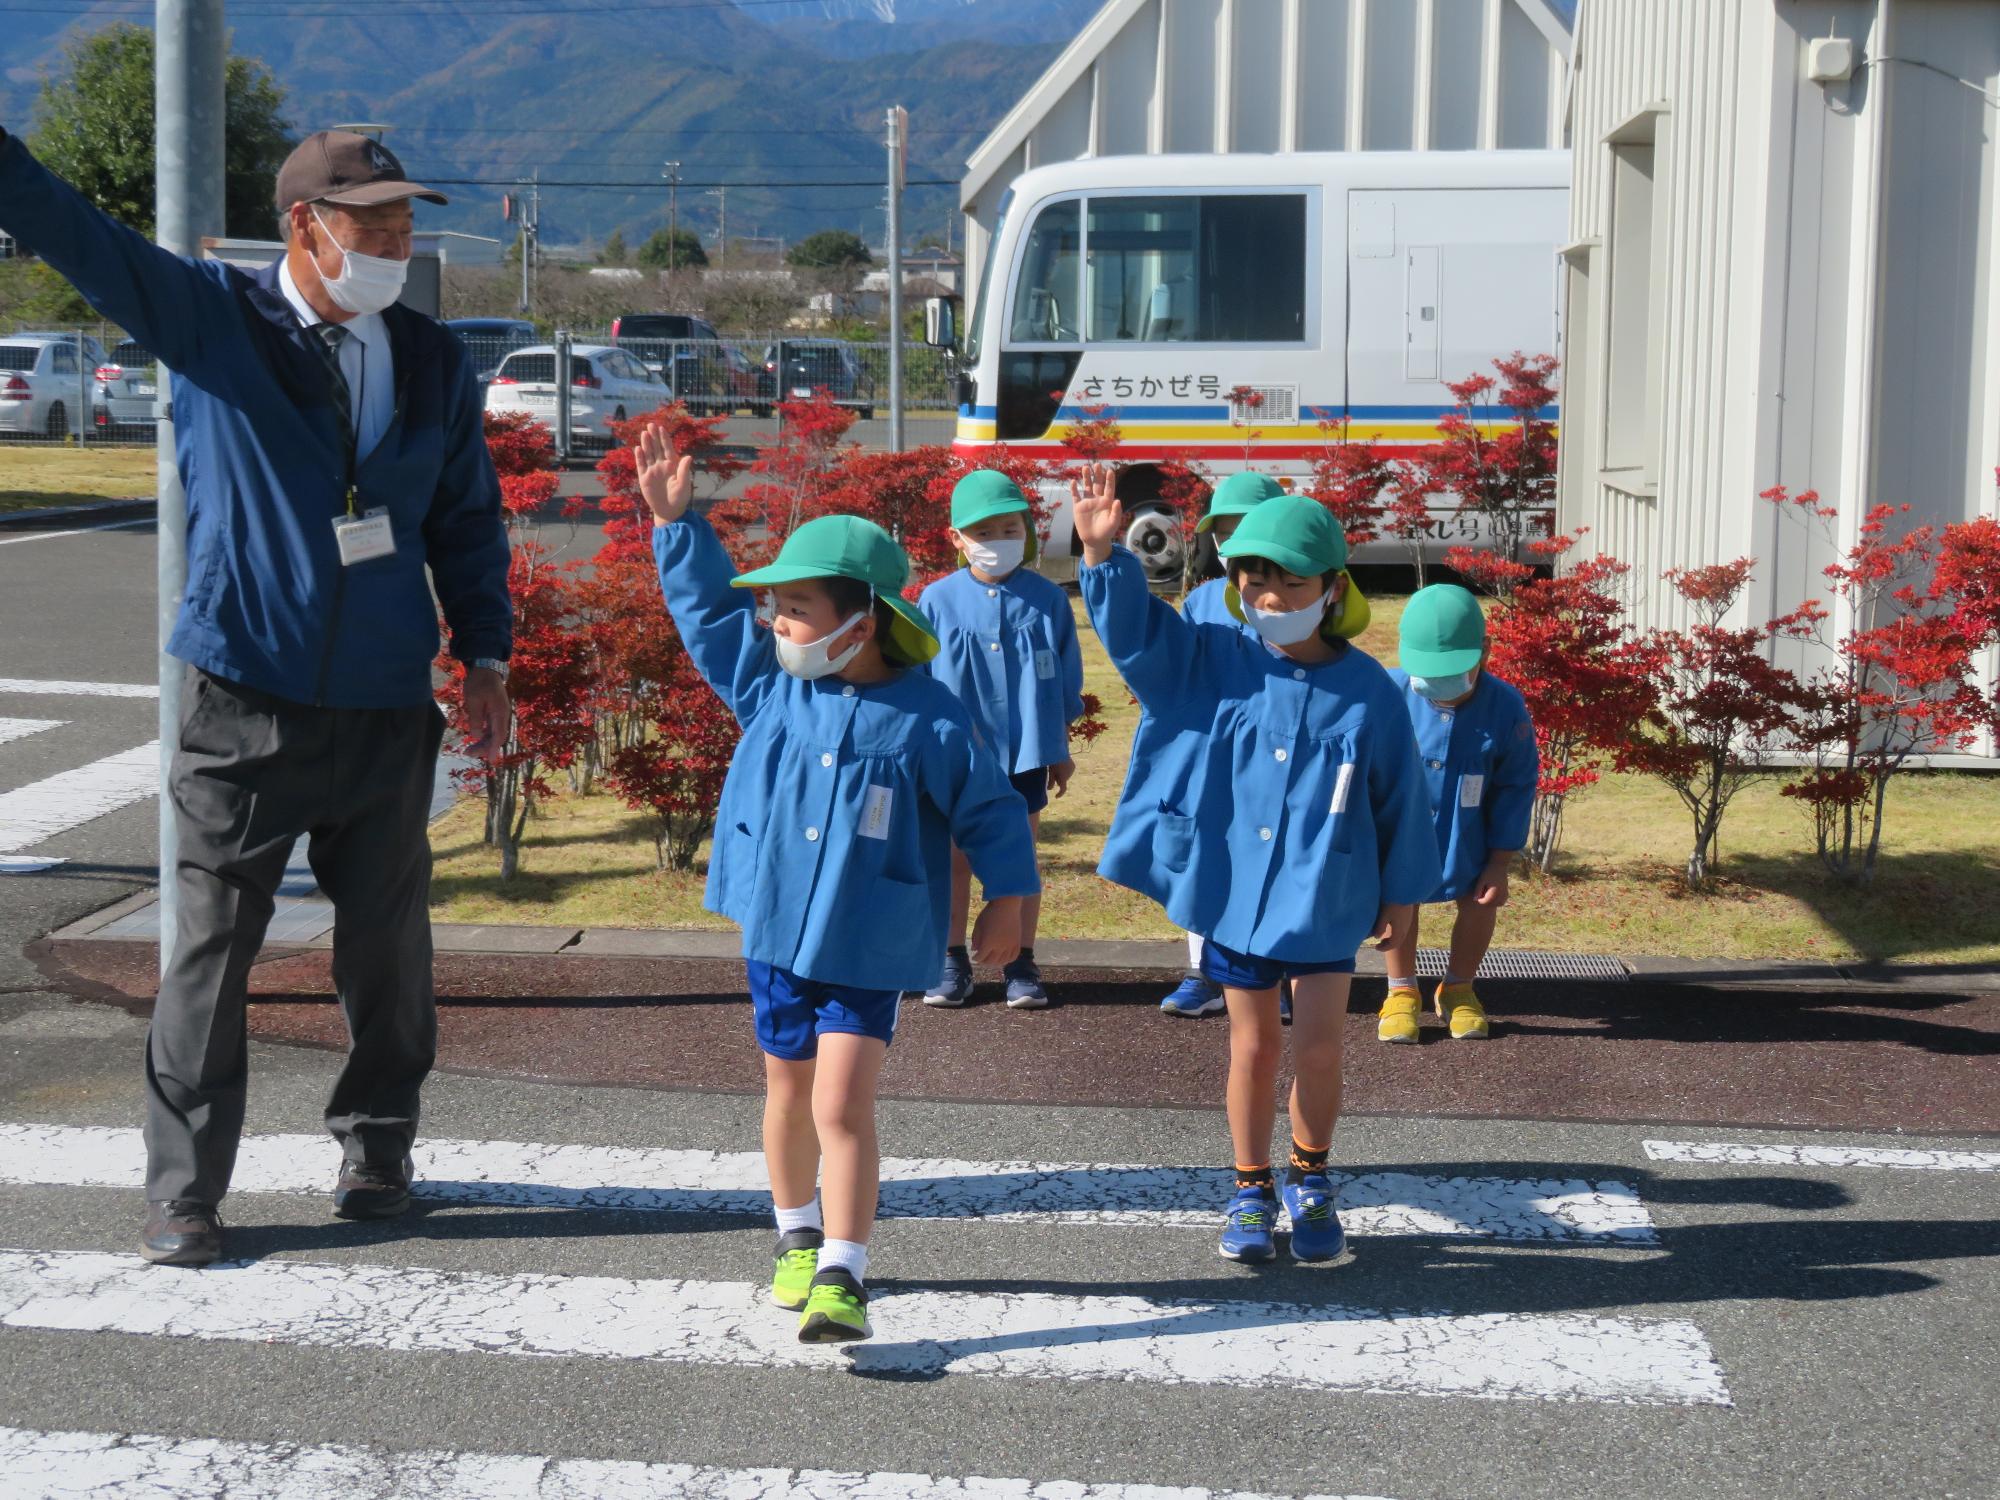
pixel 1228 503
pixel 1007 647
pixel 1480 769
pixel 1286 820
pixel 853 779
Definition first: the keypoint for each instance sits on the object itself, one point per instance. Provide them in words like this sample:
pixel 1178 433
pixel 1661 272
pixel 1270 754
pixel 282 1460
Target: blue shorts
pixel 793 1012
pixel 1239 971
pixel 1033 787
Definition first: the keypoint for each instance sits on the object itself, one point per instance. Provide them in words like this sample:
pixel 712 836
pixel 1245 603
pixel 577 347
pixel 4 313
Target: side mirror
pixel 940 323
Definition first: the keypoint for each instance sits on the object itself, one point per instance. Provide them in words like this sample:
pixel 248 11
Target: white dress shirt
pixel 364 360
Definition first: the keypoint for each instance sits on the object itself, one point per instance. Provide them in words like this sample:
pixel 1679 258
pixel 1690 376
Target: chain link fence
pixel 76 386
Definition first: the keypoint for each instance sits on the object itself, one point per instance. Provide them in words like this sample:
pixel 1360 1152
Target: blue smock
pixel 1480 768
pixel 1285 805
pixel 1207 604
pixel 833 840
pixel 1009 651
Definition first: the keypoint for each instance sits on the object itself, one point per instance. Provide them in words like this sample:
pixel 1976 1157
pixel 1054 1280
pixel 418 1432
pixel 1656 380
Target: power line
pixel 269 8
pixel 654 184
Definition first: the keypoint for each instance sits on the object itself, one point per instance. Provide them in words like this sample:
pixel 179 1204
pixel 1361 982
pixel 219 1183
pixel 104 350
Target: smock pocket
pixel 1173 841
pixel 1344 785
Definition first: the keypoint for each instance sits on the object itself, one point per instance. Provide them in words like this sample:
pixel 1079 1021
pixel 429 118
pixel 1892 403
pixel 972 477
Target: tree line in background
pixel 604 690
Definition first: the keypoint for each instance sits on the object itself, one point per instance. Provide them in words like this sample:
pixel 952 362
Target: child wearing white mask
pixel 1480 769
pixel 854 777
pixel 1008 648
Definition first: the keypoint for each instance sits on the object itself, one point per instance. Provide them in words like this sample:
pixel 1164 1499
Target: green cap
pixel 1238 495
pixel 1443 631
pixel 1300 535
pixel 985 493
pixel 852 547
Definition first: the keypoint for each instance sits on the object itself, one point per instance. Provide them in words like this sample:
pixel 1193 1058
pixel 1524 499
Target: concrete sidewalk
pixel 304 920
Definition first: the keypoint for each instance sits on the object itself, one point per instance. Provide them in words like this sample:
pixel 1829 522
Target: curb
pixel 71 512
pixel 308 924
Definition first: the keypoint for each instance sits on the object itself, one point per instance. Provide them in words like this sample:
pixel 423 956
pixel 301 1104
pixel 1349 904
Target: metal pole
pixel 188 113
pixel 673 218
pixel 85 374
pixel 897 120
pixel 564 436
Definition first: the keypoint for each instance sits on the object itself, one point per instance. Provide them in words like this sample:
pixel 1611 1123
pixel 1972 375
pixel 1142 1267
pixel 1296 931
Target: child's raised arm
pixel 1158 653
pixel 718 624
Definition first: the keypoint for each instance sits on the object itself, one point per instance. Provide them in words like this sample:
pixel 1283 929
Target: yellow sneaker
pixel 1461 1008
pixel 1399 1015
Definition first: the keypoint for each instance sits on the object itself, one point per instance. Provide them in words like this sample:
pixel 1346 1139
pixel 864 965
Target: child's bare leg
pixel 961 897
pixel 843 1112
pixel 1471 936
pixel 1256 1046
pixel 1401 960
pixel 791 1145
pixel 1319 1038
pixel 1031 907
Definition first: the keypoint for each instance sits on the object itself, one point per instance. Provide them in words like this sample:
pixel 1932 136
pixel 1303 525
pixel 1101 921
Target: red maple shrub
pixel 1501 469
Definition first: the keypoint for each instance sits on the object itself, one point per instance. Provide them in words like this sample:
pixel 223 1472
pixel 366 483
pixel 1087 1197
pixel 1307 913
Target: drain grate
pixel 1520 963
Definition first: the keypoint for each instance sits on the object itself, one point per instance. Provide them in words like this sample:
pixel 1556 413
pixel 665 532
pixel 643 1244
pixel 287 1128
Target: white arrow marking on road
pixel 1724 1153
pixel 111 1466
pixel 519 1174
pixel 20 729
pixel 35 813
pixel 51 688
pixel 1019 1335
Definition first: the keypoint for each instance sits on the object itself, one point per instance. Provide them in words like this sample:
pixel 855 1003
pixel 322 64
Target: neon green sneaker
pixel 798 1258
pixel 836 1309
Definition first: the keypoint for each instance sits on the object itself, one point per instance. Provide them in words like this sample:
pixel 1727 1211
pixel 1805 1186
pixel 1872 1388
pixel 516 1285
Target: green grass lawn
pixel 589 862
pixel 35 476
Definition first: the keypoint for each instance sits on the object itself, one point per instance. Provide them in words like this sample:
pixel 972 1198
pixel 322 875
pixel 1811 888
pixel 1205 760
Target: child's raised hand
pixel 996 936
pixel 666 482
pixel 1095 511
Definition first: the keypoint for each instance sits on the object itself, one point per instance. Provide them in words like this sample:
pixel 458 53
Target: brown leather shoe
pixel 371 1192
pixel 181 1233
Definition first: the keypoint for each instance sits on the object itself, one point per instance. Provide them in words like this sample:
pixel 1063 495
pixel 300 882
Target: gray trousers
pixel 251 773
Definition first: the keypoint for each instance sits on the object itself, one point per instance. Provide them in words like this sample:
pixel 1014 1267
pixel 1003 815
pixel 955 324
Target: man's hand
pixel 1096 513
pixel 996 936
pixel 488 715
pixel 666 482
pixel 1491 887
pixel 1392 926
pixel 1059 775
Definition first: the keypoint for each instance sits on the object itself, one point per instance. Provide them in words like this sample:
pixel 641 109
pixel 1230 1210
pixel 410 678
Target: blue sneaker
pixel 1024 983
pixel 1194 996
pixel 1247 1225
pixel 1316 1231
pixel 954 986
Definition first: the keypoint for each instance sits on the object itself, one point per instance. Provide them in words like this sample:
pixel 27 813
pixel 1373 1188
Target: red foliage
pixel 1503 469
pixel 1350 478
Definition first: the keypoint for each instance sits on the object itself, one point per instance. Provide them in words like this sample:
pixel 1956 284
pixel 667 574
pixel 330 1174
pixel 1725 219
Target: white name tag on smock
pixel 875 813
pixel 1342 784
pixel 1045 665
pixel 364 538
pixel 1470 790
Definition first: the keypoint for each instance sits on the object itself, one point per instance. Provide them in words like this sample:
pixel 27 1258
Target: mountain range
pixel 479 94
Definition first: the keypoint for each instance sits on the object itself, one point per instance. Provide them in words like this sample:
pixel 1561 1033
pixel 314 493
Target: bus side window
pixel 1045 298
pixel 1197 268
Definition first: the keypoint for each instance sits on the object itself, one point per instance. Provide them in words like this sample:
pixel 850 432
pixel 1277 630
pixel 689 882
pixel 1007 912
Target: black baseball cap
pixel 347 170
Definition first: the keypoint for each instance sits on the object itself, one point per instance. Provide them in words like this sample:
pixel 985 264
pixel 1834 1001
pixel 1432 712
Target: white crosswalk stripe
pixel 20 729
pixel 1726 1153
pixel 45 809
pixel 524 1174
pixel 1018 1335
pixel 111 1466
pixel 66 688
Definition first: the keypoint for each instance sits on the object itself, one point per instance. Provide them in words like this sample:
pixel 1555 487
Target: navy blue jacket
pixel 261 455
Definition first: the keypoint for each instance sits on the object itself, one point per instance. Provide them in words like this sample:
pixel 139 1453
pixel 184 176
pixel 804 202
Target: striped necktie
pixel 332 336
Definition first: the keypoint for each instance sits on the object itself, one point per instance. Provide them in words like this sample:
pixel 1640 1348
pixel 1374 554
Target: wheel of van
pixel 1154 535
pixel 56 426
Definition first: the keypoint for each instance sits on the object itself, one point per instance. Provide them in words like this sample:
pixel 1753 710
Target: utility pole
pixel 526 212
pixel 673 176
pixel 899 134
pixel 722 244
pixel 188 111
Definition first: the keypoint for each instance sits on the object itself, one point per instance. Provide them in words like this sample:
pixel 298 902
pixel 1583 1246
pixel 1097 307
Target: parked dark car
pixel 690 355
pixel 814 363
pixel 490 340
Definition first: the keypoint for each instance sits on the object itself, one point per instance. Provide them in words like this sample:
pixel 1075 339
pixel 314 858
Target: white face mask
pixel 1287 627
pixel 996 559
pixel 366 283
pixel 1442 689
pixel 808 659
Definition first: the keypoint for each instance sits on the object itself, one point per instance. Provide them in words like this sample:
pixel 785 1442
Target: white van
pixel 1331 284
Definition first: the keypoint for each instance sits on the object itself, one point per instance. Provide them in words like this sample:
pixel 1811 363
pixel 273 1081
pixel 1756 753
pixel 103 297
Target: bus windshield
pixel 976 329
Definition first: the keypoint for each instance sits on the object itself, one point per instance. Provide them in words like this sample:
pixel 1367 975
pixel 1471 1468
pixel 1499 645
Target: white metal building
pixel 1783 272
pixel 1147 77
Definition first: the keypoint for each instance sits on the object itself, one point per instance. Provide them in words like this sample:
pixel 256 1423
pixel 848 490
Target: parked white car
pixel 606 385
pixel 44 389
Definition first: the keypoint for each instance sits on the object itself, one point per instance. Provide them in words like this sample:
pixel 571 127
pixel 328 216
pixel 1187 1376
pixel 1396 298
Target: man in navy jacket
pixel 332 448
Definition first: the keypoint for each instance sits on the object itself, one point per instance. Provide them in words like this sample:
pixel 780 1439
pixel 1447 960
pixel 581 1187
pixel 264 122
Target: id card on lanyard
pixel 360 536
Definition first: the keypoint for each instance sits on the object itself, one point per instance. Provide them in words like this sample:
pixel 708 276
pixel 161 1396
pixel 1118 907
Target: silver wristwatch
pixel 492 664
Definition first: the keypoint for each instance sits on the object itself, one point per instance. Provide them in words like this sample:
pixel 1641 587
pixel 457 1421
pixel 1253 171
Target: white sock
pixel 850 1256
pixel 806 1216
pixel 1195 946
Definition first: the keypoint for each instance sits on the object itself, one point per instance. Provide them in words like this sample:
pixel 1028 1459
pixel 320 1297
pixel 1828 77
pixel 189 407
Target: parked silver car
pixel 44 389
pixel 606 385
